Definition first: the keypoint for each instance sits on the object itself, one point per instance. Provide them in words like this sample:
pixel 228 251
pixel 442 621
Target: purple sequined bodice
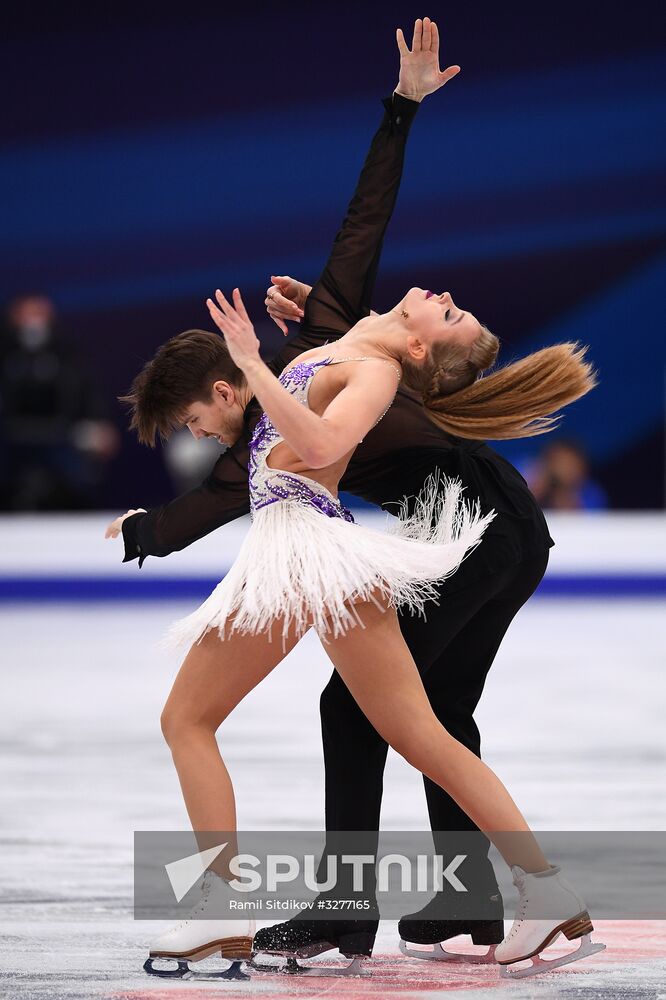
pixel 268 486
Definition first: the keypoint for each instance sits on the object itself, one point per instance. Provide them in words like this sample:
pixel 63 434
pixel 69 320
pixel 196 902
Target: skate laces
pixel 205 893
pixel 206 888
pixel 520 916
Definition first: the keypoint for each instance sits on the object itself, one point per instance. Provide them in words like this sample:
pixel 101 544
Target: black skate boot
pixel 430 927
pixel 303 938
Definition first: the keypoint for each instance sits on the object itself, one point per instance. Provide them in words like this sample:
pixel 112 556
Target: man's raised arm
pixel 343 293
pixel 340 298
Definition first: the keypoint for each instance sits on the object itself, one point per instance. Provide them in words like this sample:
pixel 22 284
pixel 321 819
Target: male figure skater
pixel 192 380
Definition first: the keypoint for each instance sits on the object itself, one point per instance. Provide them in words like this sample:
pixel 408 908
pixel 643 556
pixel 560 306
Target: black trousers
pixel 453 650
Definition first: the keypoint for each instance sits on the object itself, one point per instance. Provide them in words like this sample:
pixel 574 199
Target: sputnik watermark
pixel 423 873
pixel 458 874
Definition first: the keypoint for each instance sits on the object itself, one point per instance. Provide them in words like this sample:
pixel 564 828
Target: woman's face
pixel 436 319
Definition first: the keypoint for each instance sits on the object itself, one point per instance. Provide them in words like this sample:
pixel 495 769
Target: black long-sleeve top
pixel 397 456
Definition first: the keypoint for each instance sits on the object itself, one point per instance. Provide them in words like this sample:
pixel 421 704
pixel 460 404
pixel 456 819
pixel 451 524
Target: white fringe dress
pixel 305 563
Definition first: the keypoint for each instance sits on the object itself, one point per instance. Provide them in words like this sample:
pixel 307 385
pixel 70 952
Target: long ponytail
pixel 518 400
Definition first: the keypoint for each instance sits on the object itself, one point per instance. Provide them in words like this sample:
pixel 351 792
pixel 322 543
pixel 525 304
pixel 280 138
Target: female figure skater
pixel 302 540
pixel 305 564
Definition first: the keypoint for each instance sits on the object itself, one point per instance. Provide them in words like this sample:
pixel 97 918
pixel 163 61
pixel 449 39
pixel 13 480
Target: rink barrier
pixel 87 589
pixel 65 557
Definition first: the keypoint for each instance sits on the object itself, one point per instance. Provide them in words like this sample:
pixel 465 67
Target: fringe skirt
pixel 302 569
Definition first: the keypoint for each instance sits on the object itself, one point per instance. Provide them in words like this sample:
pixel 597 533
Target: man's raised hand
pixel 419 68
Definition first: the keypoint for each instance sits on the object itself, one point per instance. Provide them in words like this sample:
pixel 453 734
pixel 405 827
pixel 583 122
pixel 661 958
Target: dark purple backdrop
pixel 149 156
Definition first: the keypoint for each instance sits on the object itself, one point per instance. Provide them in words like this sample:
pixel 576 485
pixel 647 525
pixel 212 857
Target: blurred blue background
pixel 150 156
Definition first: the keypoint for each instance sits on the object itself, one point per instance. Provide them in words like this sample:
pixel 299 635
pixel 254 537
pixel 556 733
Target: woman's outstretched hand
pixel 419 69
pixel 285 300
pixel 234 323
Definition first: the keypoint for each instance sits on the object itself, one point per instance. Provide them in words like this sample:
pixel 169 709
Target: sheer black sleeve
pixel 343 292
pixel 221 497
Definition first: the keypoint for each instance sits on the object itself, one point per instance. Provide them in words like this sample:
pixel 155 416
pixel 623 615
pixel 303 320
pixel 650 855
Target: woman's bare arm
pixel 319 441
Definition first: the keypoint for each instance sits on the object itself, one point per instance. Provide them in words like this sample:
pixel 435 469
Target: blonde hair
pixel 520 399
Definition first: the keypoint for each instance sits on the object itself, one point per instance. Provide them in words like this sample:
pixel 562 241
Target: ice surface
pixel 572 719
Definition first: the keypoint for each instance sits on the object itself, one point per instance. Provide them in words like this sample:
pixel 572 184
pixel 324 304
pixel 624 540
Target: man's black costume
pixel 455 647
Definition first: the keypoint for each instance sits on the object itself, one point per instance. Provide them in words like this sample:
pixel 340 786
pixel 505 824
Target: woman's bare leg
pixel 377 667
pixel 215 676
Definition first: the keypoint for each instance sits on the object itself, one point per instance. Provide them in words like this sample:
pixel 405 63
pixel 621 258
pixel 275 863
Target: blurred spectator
pixel 56 438
pixel 189 461
pixel 560 478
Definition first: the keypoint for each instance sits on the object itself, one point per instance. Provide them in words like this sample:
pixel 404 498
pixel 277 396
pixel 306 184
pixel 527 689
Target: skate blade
pixel 307 951
pixel 440 954
pixel 540 965
pixel 292 968
pixel 290 965
pixel 183 971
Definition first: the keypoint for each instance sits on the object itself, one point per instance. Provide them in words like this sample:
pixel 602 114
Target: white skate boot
pixel 197 937
pixel 558 909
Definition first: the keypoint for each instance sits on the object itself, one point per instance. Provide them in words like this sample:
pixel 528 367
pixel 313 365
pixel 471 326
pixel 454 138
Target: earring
pixel 405 315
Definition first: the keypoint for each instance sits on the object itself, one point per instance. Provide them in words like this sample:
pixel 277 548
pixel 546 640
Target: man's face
pixel 221 418
pixel 436 319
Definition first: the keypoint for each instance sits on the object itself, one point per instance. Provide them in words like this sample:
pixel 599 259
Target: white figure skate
pixel 558 909
pixel 197 937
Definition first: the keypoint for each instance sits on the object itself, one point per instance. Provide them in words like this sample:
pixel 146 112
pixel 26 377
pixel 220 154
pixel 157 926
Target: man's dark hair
pixel 182 372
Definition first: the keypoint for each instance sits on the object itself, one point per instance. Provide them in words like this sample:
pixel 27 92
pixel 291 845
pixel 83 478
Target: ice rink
pixel 572 719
